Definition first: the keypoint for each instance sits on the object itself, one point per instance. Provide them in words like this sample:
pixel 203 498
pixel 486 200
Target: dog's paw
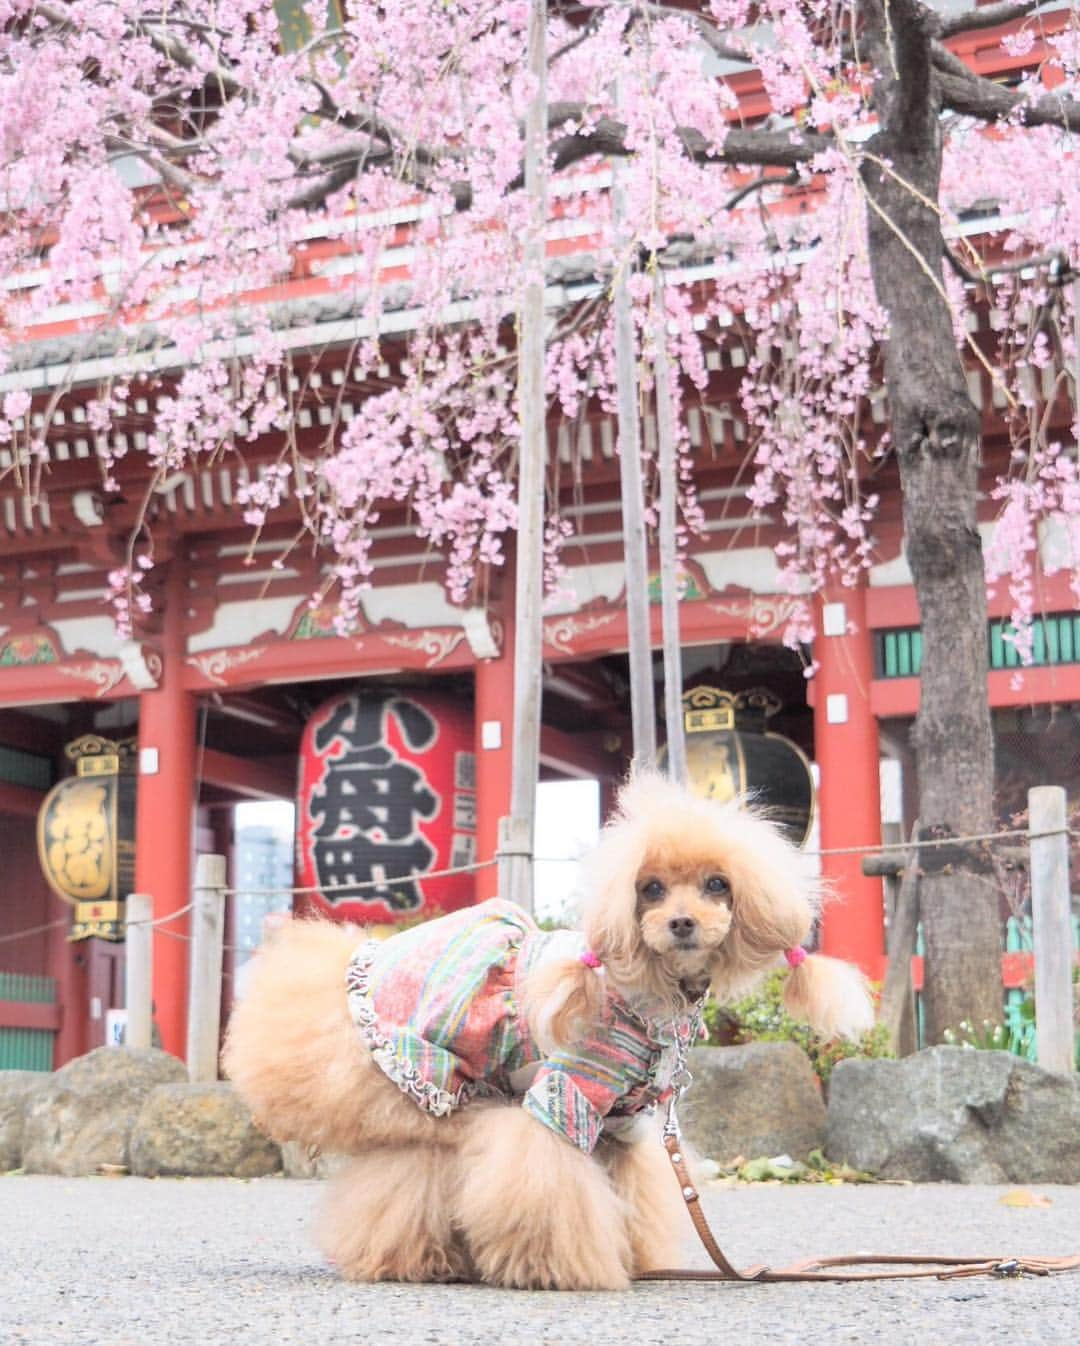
pixel 539 1260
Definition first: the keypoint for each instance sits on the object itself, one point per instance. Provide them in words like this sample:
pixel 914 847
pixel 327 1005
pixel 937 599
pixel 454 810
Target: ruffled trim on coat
pixel 430 1097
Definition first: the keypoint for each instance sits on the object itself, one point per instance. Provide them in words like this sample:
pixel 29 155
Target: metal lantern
pixel 387 794
pixel 729 753
pixel 86 835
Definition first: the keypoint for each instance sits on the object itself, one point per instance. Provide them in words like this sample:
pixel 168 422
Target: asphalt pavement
pixel 136 1262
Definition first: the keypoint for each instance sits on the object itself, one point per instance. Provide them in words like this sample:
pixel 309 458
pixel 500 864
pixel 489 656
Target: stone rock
pixel 951 1114
pixel 297 1162
pixel 81 1118
pixel 16 1086
pixel 199 1130
pixel 759 1099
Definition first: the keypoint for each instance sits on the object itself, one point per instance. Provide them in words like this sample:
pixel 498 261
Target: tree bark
pixel 935 429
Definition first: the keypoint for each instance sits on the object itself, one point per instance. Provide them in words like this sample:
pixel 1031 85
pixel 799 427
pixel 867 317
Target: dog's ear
pixel 610 914
pixel 776 894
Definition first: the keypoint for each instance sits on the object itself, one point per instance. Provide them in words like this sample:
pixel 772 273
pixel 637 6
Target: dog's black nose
pixel 681 926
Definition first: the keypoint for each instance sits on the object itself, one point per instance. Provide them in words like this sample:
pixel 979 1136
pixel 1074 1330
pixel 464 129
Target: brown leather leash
pixel 887 1266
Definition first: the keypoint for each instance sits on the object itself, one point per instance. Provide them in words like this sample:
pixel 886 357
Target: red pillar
pixel 164 814
pixel 849 804
pixel 494 683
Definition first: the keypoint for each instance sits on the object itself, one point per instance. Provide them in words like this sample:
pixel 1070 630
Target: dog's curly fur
pixel 684 893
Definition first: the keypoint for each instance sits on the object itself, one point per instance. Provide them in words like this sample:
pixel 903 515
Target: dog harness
pixel 439 1007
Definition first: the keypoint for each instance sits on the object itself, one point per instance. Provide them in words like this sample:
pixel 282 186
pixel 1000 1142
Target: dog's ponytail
pixel 830 995
pixel 564 998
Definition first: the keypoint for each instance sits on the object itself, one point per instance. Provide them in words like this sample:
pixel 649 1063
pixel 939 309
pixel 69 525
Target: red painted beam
pixel 31 1014
pixel 441 649
pixel 891 698
pixel 1017 970
pixel 1005 687
pixel 579 756
pixel 248 777
pixel 88 679
pixel 897 605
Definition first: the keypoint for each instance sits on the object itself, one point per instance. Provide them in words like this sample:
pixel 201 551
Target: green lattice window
pixel 899 652
pixel 25 768
pixel 26 1048
pixel 1055 640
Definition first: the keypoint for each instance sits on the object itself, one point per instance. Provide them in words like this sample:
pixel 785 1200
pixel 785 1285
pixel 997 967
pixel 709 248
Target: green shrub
pixel 1017 1034
pixel 761 1017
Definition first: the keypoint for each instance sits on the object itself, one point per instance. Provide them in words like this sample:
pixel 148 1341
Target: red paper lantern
pixel 387 794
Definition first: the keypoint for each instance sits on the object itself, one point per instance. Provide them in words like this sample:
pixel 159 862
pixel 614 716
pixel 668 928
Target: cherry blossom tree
pixel 167 163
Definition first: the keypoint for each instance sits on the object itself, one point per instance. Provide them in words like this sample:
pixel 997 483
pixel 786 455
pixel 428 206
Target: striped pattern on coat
pixel 439 1006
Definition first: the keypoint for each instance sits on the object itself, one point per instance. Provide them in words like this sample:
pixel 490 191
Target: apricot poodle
pixel 493 1082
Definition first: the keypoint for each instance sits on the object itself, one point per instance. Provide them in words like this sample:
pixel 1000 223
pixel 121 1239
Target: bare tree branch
pixel 710 34
pixel 769 149
pixel 766 180
pixel 904 29
pixel 974 96
pixel 898 34
pixel 988 16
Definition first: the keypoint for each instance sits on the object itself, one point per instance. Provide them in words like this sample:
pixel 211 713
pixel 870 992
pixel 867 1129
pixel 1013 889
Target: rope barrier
pixel 159 922
pixel 362 887
pixel 229 948
pixel 163 920
pixel 33 930
pixel 935 841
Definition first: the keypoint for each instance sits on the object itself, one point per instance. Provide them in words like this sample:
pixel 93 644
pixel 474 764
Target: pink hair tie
pixel 795 957
pixel 590 959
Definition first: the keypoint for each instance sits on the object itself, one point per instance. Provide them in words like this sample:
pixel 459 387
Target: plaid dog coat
pixel 439 1007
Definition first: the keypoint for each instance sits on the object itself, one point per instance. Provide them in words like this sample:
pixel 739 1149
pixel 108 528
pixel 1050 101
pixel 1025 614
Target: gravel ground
pixel 132 1262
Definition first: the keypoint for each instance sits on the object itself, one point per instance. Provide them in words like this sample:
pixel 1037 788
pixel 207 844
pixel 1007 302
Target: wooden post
pixel 635 550
pixel 897 1008
pixel 516 832
pixel 139 971
pixel 1051 928
pixel 669 552
pixel 207 939
pixel 635 547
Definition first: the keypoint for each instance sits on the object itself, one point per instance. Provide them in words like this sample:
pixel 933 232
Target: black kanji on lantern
pixel 367 804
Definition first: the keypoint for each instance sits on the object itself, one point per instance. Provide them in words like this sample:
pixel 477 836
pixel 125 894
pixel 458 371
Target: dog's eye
pixel 653 890
pixel 717 886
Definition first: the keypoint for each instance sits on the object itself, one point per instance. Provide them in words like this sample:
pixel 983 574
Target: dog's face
pixel 684 913
pixel 686 892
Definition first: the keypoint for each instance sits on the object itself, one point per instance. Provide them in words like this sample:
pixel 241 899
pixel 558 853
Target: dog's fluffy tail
pixel 291 1048
pixel 832 996
pixel 563 999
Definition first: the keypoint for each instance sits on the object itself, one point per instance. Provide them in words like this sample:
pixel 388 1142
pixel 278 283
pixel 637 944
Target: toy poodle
pixel 493 1082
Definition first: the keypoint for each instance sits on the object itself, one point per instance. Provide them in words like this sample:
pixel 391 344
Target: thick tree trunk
pixel 936 434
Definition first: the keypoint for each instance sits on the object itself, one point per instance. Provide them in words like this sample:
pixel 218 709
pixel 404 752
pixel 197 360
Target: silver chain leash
pixel 681 1078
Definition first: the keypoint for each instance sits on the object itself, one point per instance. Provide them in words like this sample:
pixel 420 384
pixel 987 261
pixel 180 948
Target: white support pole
pixel 138 971
pixel 207 944
pixel 516 833
pixel 669 553
pixel 1052 928
pixel 631 485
